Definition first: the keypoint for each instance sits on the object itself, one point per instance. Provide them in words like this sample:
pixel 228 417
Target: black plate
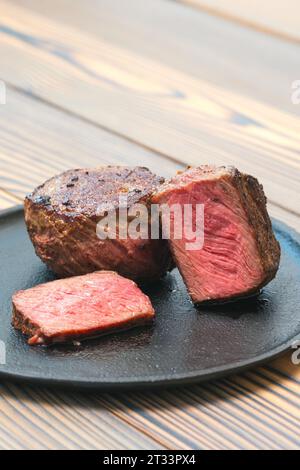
pixel 184 345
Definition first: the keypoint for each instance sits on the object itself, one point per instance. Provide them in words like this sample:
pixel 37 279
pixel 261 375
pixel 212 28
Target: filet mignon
pixel 240 253
pixel 62 214
pixel 80 307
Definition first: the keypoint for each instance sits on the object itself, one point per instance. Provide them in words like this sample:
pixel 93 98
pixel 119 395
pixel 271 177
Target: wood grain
pixel 102 87
pixel 277 17
pixel 186 118
pixel 38 141
pixel 185 39
pixel 7 200
pixel 36 418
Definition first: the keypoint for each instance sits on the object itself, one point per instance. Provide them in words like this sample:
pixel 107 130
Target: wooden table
pixel 163 84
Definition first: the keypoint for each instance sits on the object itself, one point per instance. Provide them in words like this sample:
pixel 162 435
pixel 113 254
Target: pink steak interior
pixel 228 264
pixel 83 305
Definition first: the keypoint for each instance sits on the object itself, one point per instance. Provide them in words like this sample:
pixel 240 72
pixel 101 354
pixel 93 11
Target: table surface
pixel 160 83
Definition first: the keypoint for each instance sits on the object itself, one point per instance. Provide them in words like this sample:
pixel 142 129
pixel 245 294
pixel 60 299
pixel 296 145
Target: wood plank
pixel 37 418
pixel 285 367
pixel 180 37
pixel 189 119
pixel 7 200
pixel 38 141
pixel 287 217
pixel 52 141
pixel 277 17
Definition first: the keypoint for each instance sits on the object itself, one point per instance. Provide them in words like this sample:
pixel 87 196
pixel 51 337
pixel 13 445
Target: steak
pixel 80 307
pixel 240 253
pixel 62 216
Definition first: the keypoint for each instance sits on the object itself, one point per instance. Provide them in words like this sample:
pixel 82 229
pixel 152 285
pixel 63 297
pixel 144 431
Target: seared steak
pixel 79 307
pixel 240 253
pixel 62 214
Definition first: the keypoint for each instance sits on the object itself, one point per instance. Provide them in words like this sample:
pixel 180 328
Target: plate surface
pixel 184 345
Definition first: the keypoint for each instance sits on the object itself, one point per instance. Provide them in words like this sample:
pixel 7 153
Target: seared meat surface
pixel 240 253
pixel 80 307
pixel 62 214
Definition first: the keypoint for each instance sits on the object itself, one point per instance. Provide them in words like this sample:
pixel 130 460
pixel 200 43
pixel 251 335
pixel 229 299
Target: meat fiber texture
pixel 240 253
pixel 80 307
pixel 62 214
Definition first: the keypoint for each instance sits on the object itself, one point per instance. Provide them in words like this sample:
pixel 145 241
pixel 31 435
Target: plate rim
pixel 152 382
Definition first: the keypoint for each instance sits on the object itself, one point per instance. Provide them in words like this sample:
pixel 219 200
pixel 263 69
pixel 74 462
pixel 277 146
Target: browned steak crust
pixel 254 202
pixel 61 217
pixel 91 191
pixel 23 324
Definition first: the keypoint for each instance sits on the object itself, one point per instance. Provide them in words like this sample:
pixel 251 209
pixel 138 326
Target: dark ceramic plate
pixel 184 345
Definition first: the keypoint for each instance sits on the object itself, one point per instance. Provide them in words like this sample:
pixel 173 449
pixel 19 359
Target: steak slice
pixel 80 307
pixel 240 253
pixel 62 215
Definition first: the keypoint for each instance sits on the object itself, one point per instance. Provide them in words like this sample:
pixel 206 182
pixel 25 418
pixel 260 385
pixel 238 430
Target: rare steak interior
pixel 240 253
pixel 80 307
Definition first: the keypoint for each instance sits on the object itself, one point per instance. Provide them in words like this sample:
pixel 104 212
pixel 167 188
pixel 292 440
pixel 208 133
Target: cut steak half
pixel 240 253
pixel 79 307
pixel 62 216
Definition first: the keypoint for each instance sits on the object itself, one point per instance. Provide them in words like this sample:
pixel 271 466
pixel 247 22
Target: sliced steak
pixel 240 253
pixel 62 214
pixel 79 307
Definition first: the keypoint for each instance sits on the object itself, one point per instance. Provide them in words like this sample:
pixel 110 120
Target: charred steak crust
pixel 254 203
pixel 27 327
pixel 61 217
pixel 91 191
pixel 84 308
